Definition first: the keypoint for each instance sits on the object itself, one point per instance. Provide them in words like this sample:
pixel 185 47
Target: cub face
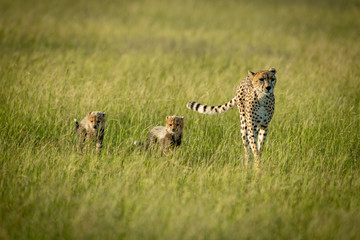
pixel 174 124
pixel 264 80
pixel 96 120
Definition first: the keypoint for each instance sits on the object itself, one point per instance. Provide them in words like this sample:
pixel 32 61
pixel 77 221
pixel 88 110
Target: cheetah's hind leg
pixel 247 151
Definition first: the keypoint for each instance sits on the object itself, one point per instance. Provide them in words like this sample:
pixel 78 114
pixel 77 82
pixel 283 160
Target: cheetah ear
pixel 167 117
pixel 273 70
pixel 251 74
pixel 104 114
pixel 90 113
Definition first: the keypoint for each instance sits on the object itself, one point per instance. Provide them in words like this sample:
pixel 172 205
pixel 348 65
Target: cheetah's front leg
pixel 251 127
pixel 261 139
pixel 98 147
pixel 245 142
pixel 99 141
pixel 244 137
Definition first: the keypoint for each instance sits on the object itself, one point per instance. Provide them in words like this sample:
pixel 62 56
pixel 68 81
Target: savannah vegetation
pixel 140 61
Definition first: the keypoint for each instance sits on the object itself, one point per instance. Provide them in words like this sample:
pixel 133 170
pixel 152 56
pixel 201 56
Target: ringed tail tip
pixel 190 104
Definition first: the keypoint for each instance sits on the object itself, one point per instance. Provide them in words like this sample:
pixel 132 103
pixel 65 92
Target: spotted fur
pixel 91 128
pixel 256 101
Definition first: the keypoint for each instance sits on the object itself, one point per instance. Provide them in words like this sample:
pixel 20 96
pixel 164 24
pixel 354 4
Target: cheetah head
pixel 264 81
pixel 96 120
pixel 174 124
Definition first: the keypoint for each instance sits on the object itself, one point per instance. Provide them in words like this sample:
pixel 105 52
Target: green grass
pixel 140 61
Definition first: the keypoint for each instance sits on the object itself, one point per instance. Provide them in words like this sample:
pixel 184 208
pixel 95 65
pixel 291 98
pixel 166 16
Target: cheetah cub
pixel 256 101
pixel 91 128
pixel 167 137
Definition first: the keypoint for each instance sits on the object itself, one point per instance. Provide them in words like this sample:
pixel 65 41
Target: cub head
pixel 96 120
pixel 174 124
pixel 264 80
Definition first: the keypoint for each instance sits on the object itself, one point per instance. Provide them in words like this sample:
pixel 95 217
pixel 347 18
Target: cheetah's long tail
pixel 198 107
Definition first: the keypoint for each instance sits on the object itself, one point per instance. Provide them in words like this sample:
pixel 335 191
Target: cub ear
pixel 90 113
pixel 273 70
pixel 104 114
pixel 251 74
pixel 167 117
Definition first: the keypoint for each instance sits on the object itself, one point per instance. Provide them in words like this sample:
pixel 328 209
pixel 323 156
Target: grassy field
pixel 140 61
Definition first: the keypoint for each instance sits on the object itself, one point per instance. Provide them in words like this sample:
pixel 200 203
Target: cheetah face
pixel 264 81
pixel 96 120
pixel 174 124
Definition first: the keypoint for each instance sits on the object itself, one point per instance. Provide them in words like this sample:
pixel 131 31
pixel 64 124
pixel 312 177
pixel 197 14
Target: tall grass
pixel 140 61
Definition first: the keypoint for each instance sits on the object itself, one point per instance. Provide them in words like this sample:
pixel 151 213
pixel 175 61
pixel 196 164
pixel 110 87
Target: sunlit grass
pixel 140 61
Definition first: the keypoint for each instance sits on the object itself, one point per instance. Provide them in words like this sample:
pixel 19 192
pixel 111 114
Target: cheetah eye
pixel 98 121
pixel 177 125
pixel 91 121
pixel 261 80
pixel 170 124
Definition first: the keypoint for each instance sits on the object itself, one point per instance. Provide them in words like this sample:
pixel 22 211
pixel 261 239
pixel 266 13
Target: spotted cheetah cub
pixel 91 128
pixel 256 101
pixel 167 137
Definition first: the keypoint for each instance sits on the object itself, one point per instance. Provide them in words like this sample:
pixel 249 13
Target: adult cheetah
pixel 255 100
